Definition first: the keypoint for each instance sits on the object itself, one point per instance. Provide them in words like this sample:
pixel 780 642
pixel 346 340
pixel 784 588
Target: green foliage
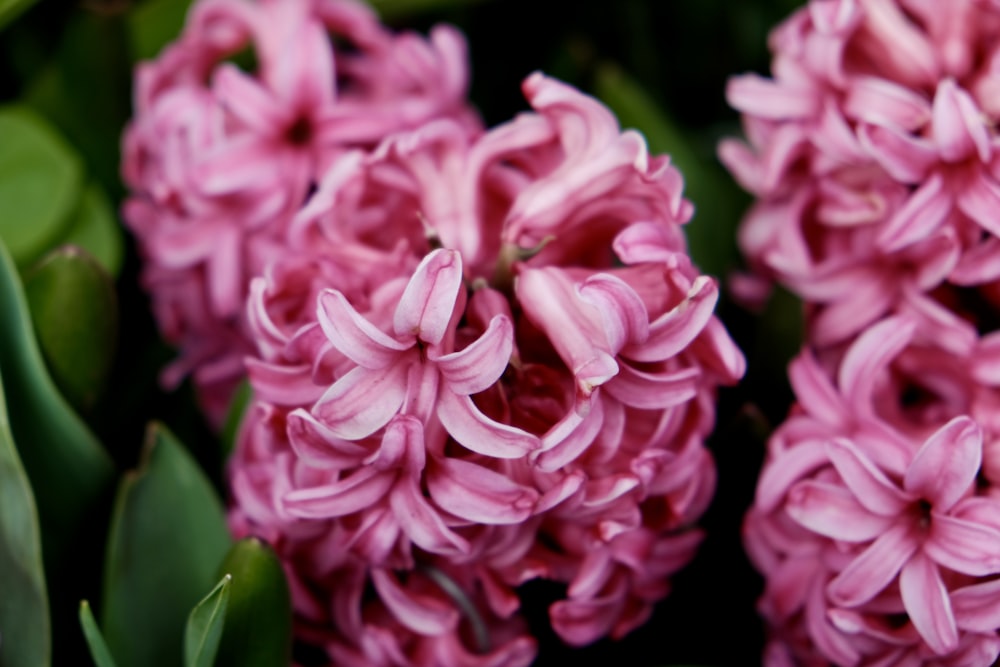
pixel 95 640
pixel 258 631
pixel 24 614
pixel 40 181
pixel 204 626
pixel 75 311
pixel 168 535
pixel 68 468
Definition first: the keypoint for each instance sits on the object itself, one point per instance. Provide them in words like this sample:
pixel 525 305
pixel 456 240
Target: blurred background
pixel 661 65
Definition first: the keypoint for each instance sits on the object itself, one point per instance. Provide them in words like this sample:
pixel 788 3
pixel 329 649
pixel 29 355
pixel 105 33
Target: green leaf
pixel 258 630
pixel 24 609
pixel 75 311
pixel 711 233
pixel 204 626
pixel 10 9
pixel 155 23
pixel 99 652
pixel 68 468
pixel 168 536
pixel 95 228
pixel 40 179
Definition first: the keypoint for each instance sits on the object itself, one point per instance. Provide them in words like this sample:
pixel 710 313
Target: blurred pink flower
pixel 219 159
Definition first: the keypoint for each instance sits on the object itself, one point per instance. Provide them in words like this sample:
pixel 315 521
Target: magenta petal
pixel 477 432
pixel 923 212
pixel 832 511
pixel 362 489
pixel 945 467
pixel 868 356
pixel 926 600
pixel 866 480
pixel 623 313
pixel 353 335
pixel 422 523
pixel 422 614
pixel 478 494
pixel 977 607
pixel 362 401
pixel 427 303
pixel 875 568
pixel 979 199
pixel 963 546
pixel 674 330
pixel 654 391
pixel 476 367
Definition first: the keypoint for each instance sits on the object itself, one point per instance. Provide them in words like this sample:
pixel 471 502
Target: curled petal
pixel 427 303
pixel 353 335
pixel 476 367
pixel 478 494
pixel 477 432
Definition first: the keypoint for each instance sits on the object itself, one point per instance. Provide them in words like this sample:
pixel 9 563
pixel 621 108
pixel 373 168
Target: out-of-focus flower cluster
pixel 477 357
pixel 872 155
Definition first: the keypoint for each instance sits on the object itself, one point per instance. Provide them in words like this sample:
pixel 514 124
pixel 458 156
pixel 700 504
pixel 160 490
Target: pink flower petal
pixel 478 494
pixel 946 466
pixel 832 511
pixel 926 600
pixel 963 546
pixel 353 335
pixel 674 330
pixel 362 401
pixel 422 614
pixel 427 303
pixel 480 364
pixel 478 433
pixel 875 568
pixel 866 480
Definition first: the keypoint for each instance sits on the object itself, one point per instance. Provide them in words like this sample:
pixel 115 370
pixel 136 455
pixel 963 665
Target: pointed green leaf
pixel 717 201
pixel 258 631
pixel 168 536
pixel 10 9
pixel 204 626
pixel 40 180
pixel 24 609
pixel 75 310
pixel 99 652
pixel 68 468
pixel 96 229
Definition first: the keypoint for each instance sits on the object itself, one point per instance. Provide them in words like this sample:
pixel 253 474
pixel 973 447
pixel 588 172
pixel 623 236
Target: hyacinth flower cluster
pixel 870 152
pixel 477 358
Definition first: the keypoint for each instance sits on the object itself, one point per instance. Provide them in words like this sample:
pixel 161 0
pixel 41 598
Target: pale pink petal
pixel 422 614
pixel 674 330
pixel 422 523
pixel 353 335
pixel 875 568
pixel 946 466
pixel 925 211
pixel 832 511
pixel 481 363
pixel 362 401
pixel 963 546
pixel 427 303
pixel 869 484
pixel 477 432
pixel 926 600
pixel 478 494
pixel 977 607
pixel 364 488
